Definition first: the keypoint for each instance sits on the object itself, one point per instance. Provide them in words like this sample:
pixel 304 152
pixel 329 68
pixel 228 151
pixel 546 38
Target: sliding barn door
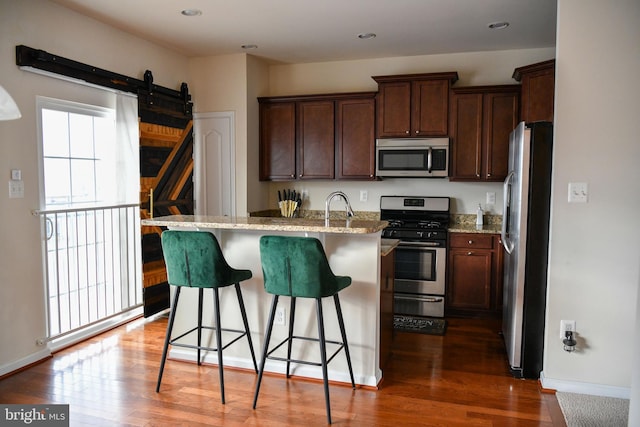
pixel 166 164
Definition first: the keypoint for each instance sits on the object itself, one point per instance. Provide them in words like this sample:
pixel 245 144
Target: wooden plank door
pixel 166 167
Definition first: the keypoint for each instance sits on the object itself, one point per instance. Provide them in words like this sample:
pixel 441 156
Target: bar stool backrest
pixel 194 259
pixel 298 267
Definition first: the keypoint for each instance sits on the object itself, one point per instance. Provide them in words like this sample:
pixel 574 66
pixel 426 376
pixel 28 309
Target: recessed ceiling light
pixel 249 46
pixel 498 25
pixel 367 36
pixel 191 12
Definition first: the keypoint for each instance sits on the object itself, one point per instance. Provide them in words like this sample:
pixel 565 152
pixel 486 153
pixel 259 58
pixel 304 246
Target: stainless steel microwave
pixel 412 158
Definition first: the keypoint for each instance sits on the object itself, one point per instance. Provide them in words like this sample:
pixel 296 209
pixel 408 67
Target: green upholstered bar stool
pixel 194 259
pixel 297 267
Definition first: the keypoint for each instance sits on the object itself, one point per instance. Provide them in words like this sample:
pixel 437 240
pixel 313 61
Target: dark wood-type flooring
pixel 460 379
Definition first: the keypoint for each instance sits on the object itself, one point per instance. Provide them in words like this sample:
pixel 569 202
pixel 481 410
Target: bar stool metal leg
pixel 200 293
pixel 292 316
pixel 344 338
pixel 323 357
pixel 267 338
pixel 216 306
pixel 243 311
pixel 172 317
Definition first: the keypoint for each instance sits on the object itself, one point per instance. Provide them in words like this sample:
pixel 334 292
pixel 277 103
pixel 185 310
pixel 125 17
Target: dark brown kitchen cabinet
pixel 482 117
pixel 355 138
pixel 317 137
pixel 413 105
pixel 387 274
pixel 315 140
pixel 474 275
pixel 277 141
pixel 537 90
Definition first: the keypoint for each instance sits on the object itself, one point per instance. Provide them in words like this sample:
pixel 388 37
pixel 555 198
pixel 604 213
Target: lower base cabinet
pixel 475 268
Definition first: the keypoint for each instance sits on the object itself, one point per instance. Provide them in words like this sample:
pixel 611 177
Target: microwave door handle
pixel 429 160
pixel 506 211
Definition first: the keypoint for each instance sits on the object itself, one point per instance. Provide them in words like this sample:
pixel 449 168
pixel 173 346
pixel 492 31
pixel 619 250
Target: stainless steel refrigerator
pixel 525 236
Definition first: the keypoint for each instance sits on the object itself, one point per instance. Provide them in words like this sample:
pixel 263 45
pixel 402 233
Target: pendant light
pixel 8 108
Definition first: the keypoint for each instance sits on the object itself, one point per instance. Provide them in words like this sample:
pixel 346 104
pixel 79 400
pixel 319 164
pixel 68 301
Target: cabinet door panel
pixel 394 109
pixel 500 118
pixel 470 279
pixel 355 139
pixel 430 108
pixel 466 130
pixel 277 141
pixel 316 140
pixel 537 95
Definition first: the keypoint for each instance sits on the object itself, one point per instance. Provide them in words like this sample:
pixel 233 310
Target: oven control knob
pixel 420 233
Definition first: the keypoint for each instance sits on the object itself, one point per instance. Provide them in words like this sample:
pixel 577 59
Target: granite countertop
pixel 387 245
pixel 460 223
pixel 465 223
pixel 355 226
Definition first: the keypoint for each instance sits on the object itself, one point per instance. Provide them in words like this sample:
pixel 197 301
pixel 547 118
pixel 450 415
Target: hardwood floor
pixel 460 379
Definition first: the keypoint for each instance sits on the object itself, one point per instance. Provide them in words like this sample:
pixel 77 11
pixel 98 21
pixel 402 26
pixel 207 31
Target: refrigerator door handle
pixel 506 202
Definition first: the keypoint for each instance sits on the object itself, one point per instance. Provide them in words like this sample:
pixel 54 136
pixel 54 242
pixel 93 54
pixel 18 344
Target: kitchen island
pixel 353 249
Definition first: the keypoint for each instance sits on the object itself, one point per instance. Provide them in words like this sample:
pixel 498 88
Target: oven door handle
pixel 418 245
pixel 430 160
pixel 419 298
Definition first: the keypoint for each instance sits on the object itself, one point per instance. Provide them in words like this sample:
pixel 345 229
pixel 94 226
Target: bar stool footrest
pixel 304 362
pixel 211 328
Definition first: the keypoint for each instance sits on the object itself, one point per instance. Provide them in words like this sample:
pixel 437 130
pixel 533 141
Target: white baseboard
pixel 45 353
pixel 585 388
pixel 277 367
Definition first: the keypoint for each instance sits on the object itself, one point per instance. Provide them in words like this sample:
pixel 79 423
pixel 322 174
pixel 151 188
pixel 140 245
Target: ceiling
pixel 299 31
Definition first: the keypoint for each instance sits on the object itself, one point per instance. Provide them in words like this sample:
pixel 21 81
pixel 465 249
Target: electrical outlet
pixel 567 325
pixel 491 198
pixel 280 314
pixel 364 195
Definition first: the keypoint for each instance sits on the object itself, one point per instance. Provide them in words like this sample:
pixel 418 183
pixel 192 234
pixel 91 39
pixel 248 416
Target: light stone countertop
pixel 466 223
pixel 387 245
pixel 340 226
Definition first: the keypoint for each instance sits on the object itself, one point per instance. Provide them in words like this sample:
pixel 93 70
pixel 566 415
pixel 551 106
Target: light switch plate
pixel 578 192
pixel 16 175
pixel 16 189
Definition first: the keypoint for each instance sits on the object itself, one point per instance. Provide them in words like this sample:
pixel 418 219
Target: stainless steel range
pixel 420 223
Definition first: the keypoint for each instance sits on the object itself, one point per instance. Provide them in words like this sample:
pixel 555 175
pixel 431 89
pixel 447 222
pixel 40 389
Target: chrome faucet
pixel 327 205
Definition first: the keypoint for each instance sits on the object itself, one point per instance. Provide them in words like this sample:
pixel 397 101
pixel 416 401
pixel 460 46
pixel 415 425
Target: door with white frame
pixel 214 166
pixel 89 172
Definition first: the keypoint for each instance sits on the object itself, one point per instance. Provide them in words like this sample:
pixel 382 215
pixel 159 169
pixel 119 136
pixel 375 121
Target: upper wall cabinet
pixel 482 117
pixel 413 105
pixel 537 90
pixel 317 137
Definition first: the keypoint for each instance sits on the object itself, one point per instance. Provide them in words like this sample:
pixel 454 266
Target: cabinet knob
pixel 488 175
pixel 477 175
pixel 417 132
pixel 471 242
pixel 293 176
pixel 469 253
pixel 407 132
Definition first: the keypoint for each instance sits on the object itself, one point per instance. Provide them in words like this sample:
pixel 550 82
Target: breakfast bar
pixel 353 248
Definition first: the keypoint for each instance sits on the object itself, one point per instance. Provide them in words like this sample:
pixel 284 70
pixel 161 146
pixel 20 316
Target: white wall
pixel 47 26
pixel 593 269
